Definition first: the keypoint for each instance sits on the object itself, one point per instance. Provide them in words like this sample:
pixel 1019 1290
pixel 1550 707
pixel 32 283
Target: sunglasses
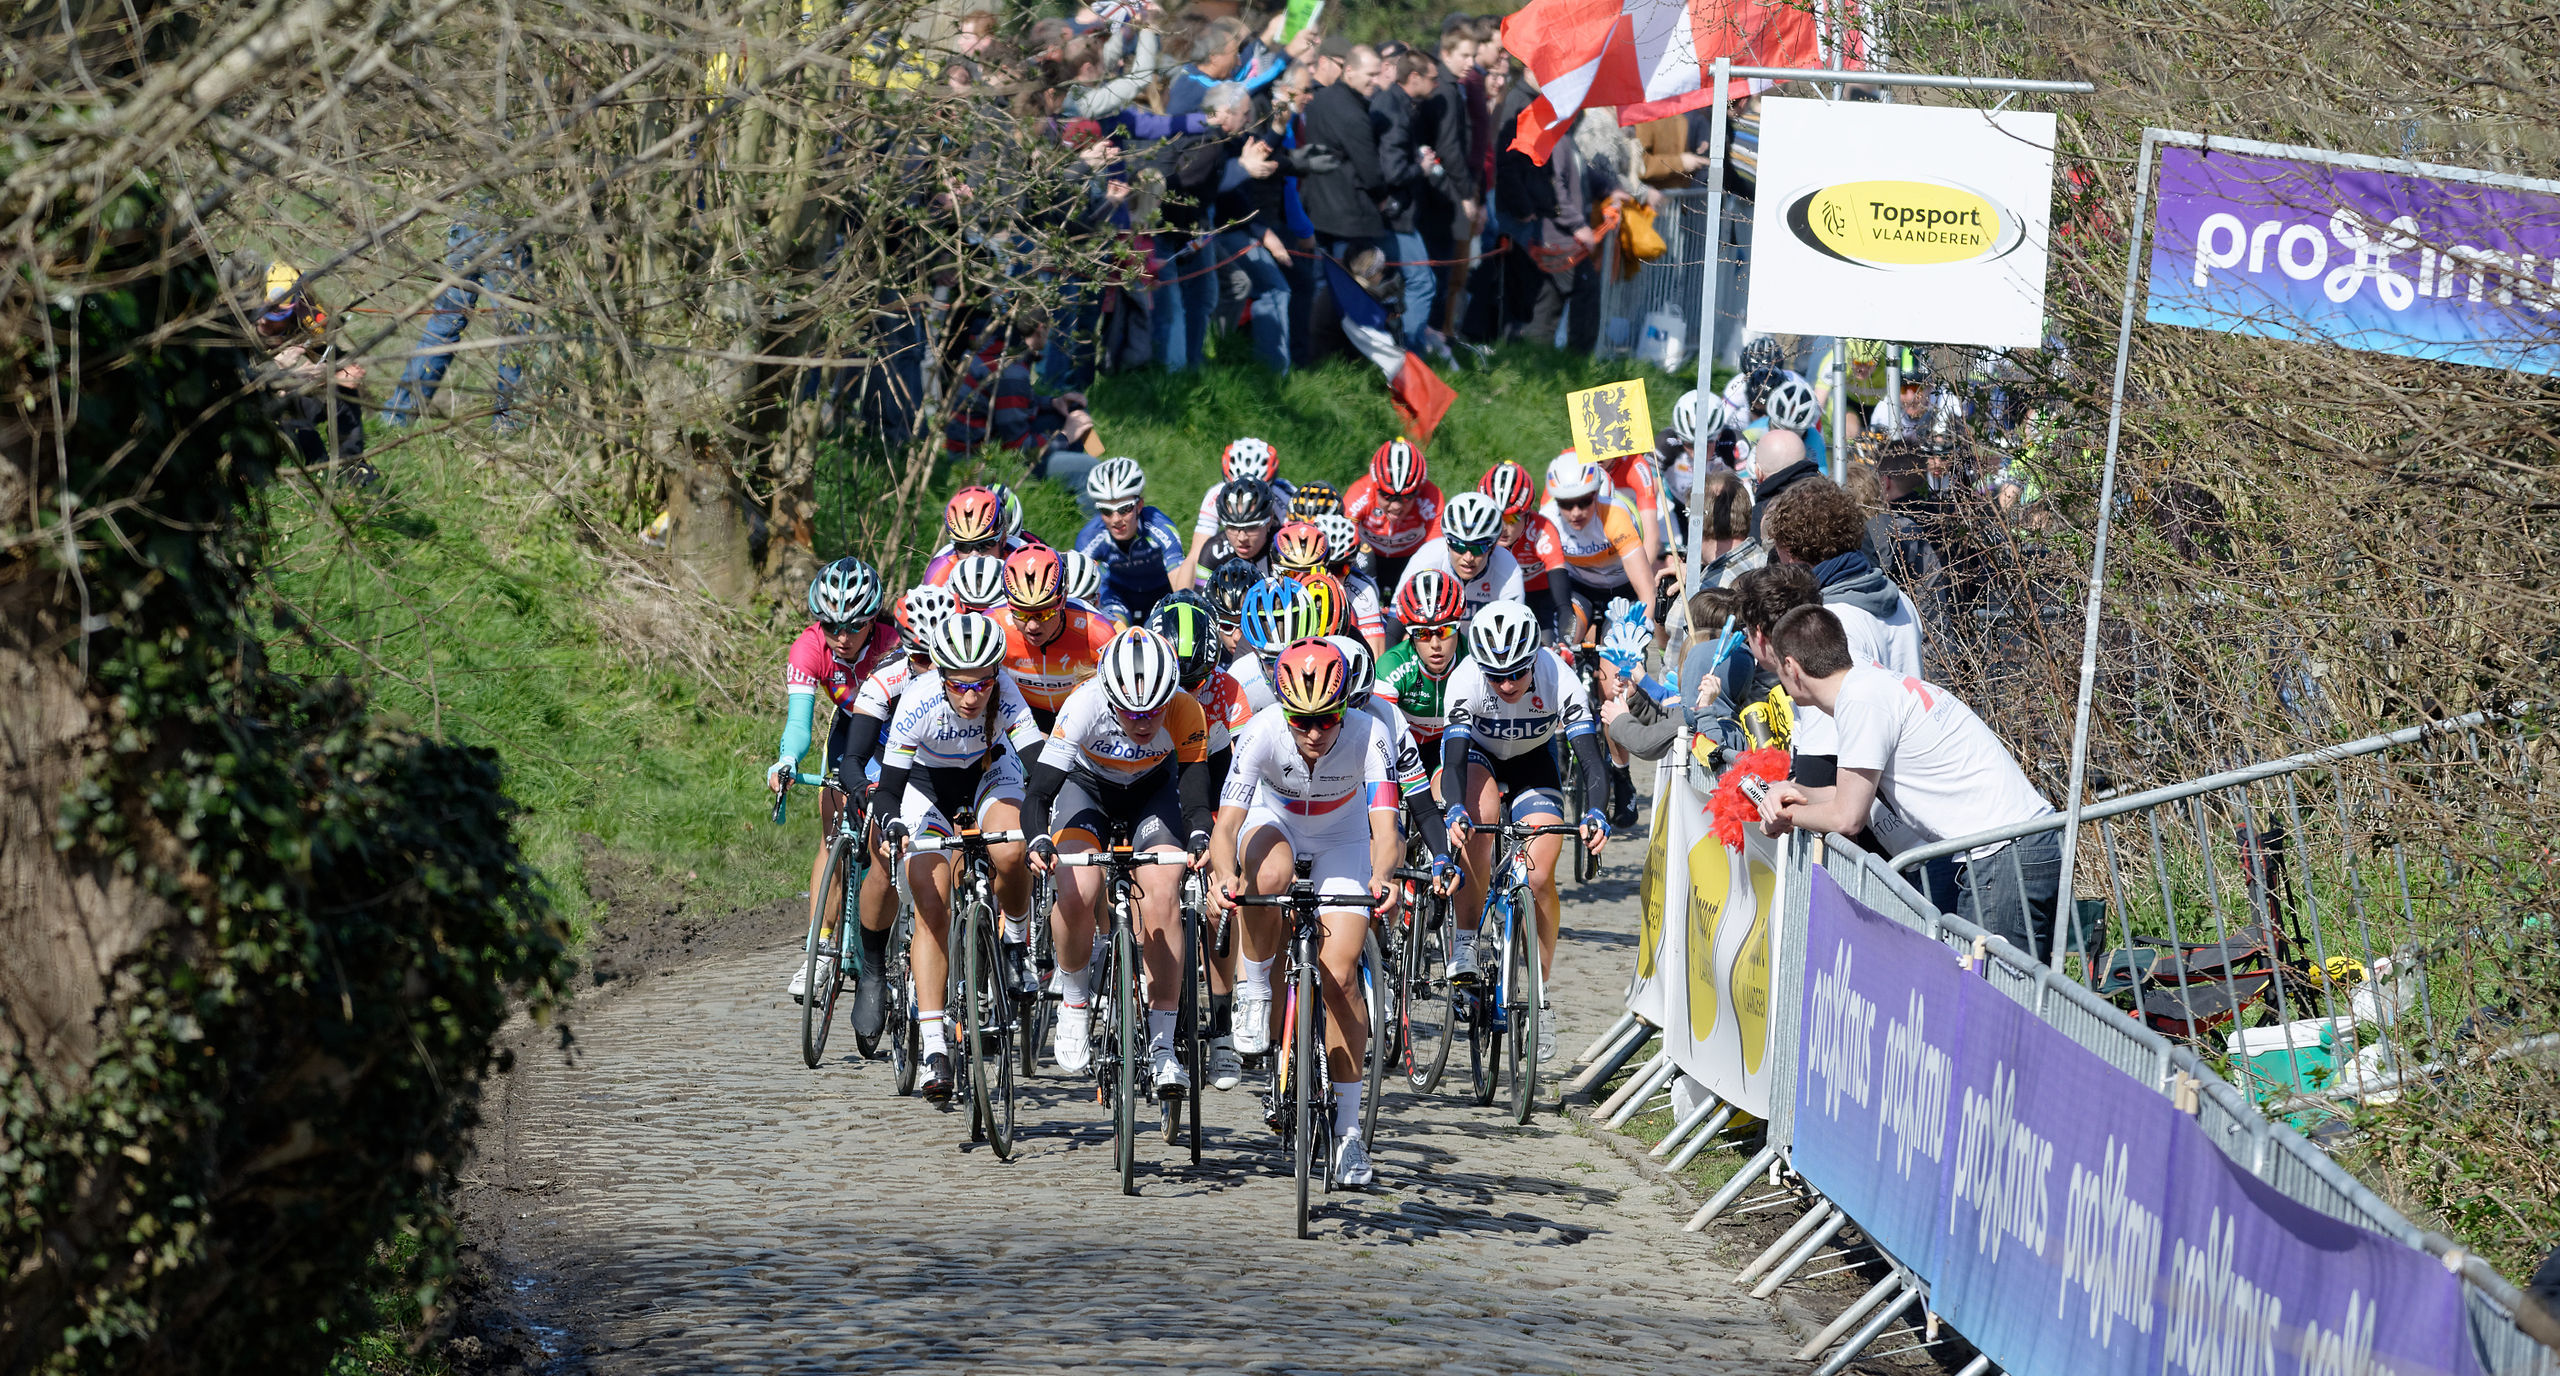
pixel 845 627
pixel 1124 509
pixel 969 685
pixel 1430 632
pixel 1472 548
pixel 1024 613
pixel 1574 504
pixel 1513 676
pixel 1149 715
pixel 1315 721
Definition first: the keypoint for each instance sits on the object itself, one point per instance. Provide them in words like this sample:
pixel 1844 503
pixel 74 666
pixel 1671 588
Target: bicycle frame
pixel 1118 933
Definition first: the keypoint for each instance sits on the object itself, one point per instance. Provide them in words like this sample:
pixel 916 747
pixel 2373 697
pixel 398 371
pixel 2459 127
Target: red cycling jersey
pixel 1540 547
pixel 1637 481
pixel 810 664
pixel 1394 536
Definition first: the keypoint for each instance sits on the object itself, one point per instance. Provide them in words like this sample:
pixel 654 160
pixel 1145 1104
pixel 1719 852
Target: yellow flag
pixel 1610 422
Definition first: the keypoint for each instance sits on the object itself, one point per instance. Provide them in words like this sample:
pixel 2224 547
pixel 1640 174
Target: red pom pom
pixel 1731 809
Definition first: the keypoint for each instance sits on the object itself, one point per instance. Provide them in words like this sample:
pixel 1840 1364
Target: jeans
pixel 1068 363
pixel 1271 298
pixel 2009 893
pixel 1070 466
pixel 1414 259
pixel 452 314
pixel 1186 296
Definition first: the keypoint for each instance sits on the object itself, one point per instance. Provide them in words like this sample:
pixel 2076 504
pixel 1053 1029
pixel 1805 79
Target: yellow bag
pixel 1637 238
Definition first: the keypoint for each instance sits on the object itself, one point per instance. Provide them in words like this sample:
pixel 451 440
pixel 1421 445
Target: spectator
pixel 1340 190
pixel 1670 164
pixel 1921 752
pixel 1254 213
pixel 1819 525
pixel 1544 215
pixel 1082 65
pixel 1728 551
pixel 1763 597
pixel 1395 110
pixel 1719 678
pixel 479 264
pixel 318 407
pixel 1217 51
pixel 995 404
pixel 1453 203
pixel 1778 462
pixel 1895 537
pixel 1194 167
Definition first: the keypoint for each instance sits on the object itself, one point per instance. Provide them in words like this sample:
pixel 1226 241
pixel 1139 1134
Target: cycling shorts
pixel 1152 811
pixel 1594 601
pixel 933 795
pixel 1530 780
pixel 1341 853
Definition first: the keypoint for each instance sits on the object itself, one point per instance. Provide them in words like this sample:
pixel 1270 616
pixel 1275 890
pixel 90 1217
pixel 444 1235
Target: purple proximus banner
pixel 2398 262
pixel 2067 1217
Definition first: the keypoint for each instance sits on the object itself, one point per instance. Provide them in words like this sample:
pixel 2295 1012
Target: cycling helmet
pixel 977 582
pixel 1341 538
pixel 967 642
pixel 1763 353
pixel 974 517
pixel 1328 602
pixel 1572 477
pixel 1471 518
pixel 1228 586
pixel 1757 387
pixel 1684 416
pixel 1311 678
pixel 1273 612
pixel 1190 627
pixel 1791 405
pixel 1033 579
pixel 1082 577
pixel 921 611
pixel 1298 545
pixel 1249 458
pixel 1503 636
pixel 1707 418
pixel 1430 598
pixel 1011 506
pixel 1360 669
pixel 844 591
pixel 1915 367
pixel 1114 481
pixel 1244 502
pixel 1397 468
pixel 1508 484
pixel 1315 500
pixel 1138 670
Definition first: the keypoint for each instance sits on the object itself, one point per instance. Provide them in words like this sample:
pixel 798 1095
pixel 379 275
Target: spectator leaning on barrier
pixel 1821 526
pixel 1919 750
pixel 1763 597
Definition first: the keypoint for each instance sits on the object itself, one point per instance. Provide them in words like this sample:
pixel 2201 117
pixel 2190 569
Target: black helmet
pixel 1915 367
pixel 1244 502
pixel 1756 387
pixel 1764 354
pixel 1228 586
pixel 1190 625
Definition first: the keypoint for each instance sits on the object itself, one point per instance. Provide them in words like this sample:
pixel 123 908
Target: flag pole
pixel 1702 447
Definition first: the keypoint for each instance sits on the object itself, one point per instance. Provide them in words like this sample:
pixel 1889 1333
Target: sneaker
pixel 1073 1044
pixel 1172 1081
pixel 1253 1023
pixel 1226 1068
pixel 870 997
pixel 1016 958
pixel 1546 1032
pixel 800 982
pixel 1462 962
pixel 1351 1168
pixel 936 1085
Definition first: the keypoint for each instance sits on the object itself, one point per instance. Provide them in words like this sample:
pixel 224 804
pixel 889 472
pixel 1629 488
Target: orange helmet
pixel 1299 545
pixel 974 517
pixel 1311 678
pixel 1397 468
pixel 1509 485
pixel 1034 578
pixel 1328 602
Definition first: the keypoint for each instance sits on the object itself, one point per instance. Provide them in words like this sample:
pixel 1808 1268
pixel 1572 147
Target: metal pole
pixel 1705 1135
pixel 1701 446
pixel 1649 1084
pixel 1608 1064
pixel 1934 81
pixel 1866 1337
pixel 1671 1140
pixel 1849 1317
pixel 1601 1042
pixel 1796 1260
pixel 1786 1243
pixel 1723 1198
pixel 1635 1083
pixel 2064 896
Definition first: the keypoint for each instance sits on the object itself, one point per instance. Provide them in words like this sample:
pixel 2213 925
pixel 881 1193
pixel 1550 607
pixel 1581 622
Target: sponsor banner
pixel 1610 422
pixel 1646 997
pixel 2399 262
pixel 2066 1216
pixel 1710 926
pixel 1919 223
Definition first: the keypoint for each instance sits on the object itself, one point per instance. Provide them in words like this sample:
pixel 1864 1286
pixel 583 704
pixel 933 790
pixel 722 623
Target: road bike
pixel 1039 1006
pixel 834 913
pixel 982 997
pixel 1300 1105
pixel 1120 1041
pixel 1423 1016
pixel 1503 1015
pixel 1586 667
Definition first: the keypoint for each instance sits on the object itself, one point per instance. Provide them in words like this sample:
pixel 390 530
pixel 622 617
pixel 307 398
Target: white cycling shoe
pixel 1073 1045
pixel 1253 1024
pixel 1351 1168
pixel 800 982
pixel 1226 1068
pixel 1546 1032
pixel 1172 1081
pixel 1462 960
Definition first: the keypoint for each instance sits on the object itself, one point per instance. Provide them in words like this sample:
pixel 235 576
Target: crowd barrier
pixel 2044 1174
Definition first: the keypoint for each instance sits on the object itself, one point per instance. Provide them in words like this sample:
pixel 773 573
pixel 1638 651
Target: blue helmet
pixel 1274 614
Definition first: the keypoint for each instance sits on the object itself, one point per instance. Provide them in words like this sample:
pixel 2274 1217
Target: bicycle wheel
pixel 1585 864
pixel 990 1054
pixel 906 1044
pixel 1306 1068
pixel 1195 977
pixel 1038 1011
pixel 1482 1007
pixel 1429 1005
pixel 1128 1015
pixel 824 975
pixel 1185 1045
pixel 1381 983
pixel 1520 995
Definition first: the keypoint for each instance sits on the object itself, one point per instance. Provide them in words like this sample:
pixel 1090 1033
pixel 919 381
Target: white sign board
pixel 1905 222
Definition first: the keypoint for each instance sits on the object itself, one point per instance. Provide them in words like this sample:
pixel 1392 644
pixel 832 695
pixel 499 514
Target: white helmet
pixel 966 642
pixel 1248 457
pixel 1139 671
pixel 1472 517
pixel 1360 669
pixel 1503 636
pixel 977 582
pixel 1114 481
pixel 1572 477
pixel 927 606
pixel 1684 415
pixel 1082 576
pixel 1341 538
pixel 1707 419
pixel 1791 406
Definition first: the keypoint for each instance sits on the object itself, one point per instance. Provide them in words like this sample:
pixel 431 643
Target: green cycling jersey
pixel 1423 699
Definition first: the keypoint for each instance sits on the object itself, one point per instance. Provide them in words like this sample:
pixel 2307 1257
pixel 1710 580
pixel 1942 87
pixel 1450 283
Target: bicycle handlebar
pixel 782 797
pixel 1321 900
pixel 1143 857
pixel 930 844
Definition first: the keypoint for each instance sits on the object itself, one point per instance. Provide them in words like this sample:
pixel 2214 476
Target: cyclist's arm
pixel 798 719
pixel 1040 793
pixel 1429 824
pixel 888 794
pixel 1192 784
pixel 1591 756
pixel 1639 568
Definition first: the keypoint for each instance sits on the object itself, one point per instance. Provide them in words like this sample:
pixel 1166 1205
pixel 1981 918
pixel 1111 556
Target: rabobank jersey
pixel 1354 778
pixel 1090 740
pixel 928 733
pixel 1552 703
pixel 1138 574
pixel 1594 553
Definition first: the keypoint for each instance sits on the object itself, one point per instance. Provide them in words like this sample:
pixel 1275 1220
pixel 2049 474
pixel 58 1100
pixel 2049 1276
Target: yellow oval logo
pixel 1902 223
pixel 1710 883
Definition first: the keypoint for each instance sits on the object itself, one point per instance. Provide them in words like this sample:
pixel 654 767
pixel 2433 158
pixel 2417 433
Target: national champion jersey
pixel 1423 699
pixel 1357 775
pixel 1282 493
pixel 1537 549
pixel 1393 536
pixel 1090 740
pixel 811 667
pixel 1592 554
pixel 1499 581
pixel 1138 574
pixel 1552 703
pixel 886 688
pixel 928 733
pixel 1049 672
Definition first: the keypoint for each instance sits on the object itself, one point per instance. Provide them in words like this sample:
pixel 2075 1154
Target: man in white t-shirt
pixel 1921 751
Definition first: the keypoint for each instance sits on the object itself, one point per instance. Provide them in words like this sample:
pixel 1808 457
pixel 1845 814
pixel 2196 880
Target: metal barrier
pixel 1672 282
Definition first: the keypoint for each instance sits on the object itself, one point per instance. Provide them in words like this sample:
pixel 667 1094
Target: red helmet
pixel 1431 598
pixel 1034 578
pixel 974 517
pixel 1311 678
pixel 1249 458
pixel 1510 486
pixel 1298 545
pixel 1397 468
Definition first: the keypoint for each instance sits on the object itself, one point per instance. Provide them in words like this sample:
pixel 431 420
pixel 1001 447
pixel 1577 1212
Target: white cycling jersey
pixel 1504 730
pixel 1255 685
pixel 881 693
pixel 1354 778
pixel 1090 739
pixel 1282 493
pixel 1500 581
pixel 1410 777
pixel 928 734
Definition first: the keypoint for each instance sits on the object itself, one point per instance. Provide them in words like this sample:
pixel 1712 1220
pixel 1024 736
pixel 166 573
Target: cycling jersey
pixel 1553 704
pixel 1091 741
pixel 937 570
pixel 1637 480
pixel 1355 777
pixel 811 667
pixel 1393 536
pixel 1410 779
pixel 886 688
pixel 1423 699
pixel 1135 575
pixel 1501 578
pixel 928 733
pixel 1538 549
pixel 1216 554
pixel 1737 390
pixel 1222 698
pixel 1814 448
pixel 1368 614
pixel 1253 686
pixel 1593 554
pixel 1282 492
pixel 1047 673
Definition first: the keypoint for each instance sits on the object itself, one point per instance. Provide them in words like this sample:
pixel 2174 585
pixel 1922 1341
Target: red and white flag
pixel 1651 58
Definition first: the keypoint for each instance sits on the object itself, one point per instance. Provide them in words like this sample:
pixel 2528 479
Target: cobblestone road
pixel 688 1197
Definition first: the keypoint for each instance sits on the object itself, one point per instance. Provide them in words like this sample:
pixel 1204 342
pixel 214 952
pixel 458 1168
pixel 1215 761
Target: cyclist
pixel 1415 674
pixel 1129 744
pixel 1396 506
pixel 955 746
pixel 1786 402
pixel 922 609
pixel 1507 701
pixel 1049 647
pixel 1413 782
pixel 1531 540
pixel 1697 428
pixel 1139 550
pixel 974 521
pixel 1764 355
pixel 1638 483
pixel 1245 521
pixel 1342 560
pixel 1315 499
pixel 1603 557
pixel 1083 580
pixel 1312 779
pixel 1188 624
pixel 844 642
pixel 1469 550
pixel 1243 458
pixel 1274 613
pixel 977 583
pixel 1301 548
pixel 1227 588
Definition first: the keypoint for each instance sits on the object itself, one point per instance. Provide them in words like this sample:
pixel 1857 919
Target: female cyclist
pixel 845 642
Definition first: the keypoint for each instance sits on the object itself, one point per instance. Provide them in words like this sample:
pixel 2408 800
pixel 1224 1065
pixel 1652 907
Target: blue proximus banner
pixel 2067 1217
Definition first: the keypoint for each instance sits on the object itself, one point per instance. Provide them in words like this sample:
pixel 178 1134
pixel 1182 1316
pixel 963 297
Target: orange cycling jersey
pixel 1592 554
pixel 1636 481
pixel 1091 739
pixel 1047 673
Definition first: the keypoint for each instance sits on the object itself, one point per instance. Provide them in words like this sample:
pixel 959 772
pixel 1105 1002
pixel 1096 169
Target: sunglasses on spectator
pixel 969 685
pixel 1475 548
pixel 1315 721
pixel 1575 503
pixel 1513 676
pixel 1121 510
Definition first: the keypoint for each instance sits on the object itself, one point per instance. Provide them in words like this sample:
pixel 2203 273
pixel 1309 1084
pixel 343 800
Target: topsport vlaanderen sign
pixel 1910 222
